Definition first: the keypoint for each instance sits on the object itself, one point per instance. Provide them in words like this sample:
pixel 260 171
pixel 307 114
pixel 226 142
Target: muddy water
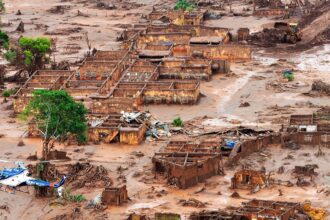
pixel 315 60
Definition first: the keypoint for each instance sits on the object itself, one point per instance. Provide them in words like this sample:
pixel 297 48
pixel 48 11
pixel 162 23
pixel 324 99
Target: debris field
pixel 218 111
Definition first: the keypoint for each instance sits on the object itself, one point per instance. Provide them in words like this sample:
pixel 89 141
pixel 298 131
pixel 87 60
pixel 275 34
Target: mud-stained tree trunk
pixel 45 149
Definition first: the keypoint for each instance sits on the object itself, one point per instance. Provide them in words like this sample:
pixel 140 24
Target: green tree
pixel 2 7
pixel 184 5
pixel 7 93
pixel 35 51
pixel 57 117
pixel 4 40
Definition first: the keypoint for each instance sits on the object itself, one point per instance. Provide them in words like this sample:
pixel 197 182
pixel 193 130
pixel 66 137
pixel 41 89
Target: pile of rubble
pixel 87 175
pixel 79 175
pixel 321 87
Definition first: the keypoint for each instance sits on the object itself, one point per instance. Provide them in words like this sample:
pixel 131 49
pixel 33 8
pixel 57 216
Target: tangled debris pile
pixel 87 175
pixel 192 203
pixel 321 87
pixel 156 128
pixel 79 175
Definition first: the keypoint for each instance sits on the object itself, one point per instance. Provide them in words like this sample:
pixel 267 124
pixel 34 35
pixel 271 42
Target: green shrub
pixel 4 39
pixel 11 56
pixel 73 198
pixel 177 122
pixel 290 77
pixel 8 92
pixel 288 74
pixel 2 6
pixel 184 5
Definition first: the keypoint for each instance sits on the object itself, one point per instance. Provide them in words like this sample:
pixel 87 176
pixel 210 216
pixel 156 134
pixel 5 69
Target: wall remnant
pixel 114 195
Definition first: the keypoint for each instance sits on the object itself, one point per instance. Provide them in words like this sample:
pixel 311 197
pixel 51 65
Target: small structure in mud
pixel 185 163
pixel 243 34
pixel 248 179
pixel 114 195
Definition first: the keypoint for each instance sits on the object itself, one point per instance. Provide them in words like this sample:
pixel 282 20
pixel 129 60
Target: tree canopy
pixel 184 5
pixel 34 51
pixel 57 115
pixel 2 6
pixel 4 39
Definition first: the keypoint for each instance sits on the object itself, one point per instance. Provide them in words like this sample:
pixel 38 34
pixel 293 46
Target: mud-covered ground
pixel 258 82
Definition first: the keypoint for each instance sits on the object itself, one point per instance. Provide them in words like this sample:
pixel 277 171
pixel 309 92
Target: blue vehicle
pixel 227 146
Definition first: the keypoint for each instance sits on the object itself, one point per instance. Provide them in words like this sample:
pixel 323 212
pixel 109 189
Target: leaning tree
pixel 57 117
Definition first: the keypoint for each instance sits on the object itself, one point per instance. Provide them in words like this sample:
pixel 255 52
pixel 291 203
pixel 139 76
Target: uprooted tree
pixel 57 117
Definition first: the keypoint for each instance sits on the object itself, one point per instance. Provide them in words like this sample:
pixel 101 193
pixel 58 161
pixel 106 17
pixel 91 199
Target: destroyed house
pixel 40 79
pixel 114 55
pixel 172 92
pixel 322 119
pixel 173 38
pixel 271 12
pixel 232 52
pixel 302 123
pixel 312 139
pixel 309 123
pixel 185 164
pixel 97 74
pixel 106 105
pixel 195 30
pixel 112 128
pixel 255 209
pixel 263 209
pixel 248 179
pixel 212 215
pixel 177 17
pixel 156 51
pixel 141 71
pixel 243 34
pixel 114 196
pixel 178 68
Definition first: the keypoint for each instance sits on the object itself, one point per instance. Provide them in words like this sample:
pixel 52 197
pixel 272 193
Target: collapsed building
pixel 249 179
pixel 114 195
pixel 158 63
pixel 256 209
pixel 186 163
pixel 41 79
pixel 317 122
